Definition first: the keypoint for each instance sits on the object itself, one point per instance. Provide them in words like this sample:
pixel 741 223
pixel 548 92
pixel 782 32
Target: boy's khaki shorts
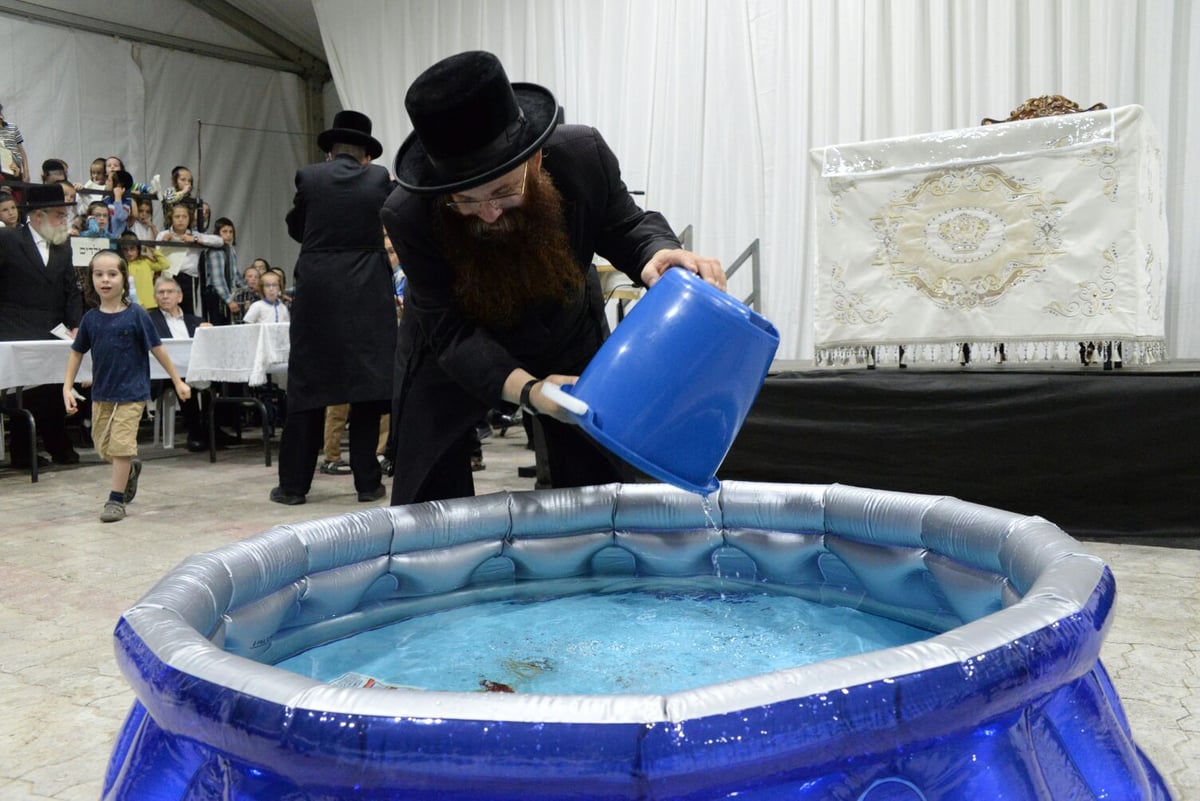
pixel 115 426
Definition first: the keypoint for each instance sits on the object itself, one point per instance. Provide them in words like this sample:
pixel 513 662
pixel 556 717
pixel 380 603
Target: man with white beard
pixel 38 291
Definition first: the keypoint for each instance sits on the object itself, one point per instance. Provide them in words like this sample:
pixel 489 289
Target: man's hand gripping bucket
pixel 669 390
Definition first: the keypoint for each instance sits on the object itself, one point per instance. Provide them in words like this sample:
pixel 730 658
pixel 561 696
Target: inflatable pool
pixel 1006 699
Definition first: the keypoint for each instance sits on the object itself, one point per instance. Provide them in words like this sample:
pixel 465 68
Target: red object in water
pixel 495 686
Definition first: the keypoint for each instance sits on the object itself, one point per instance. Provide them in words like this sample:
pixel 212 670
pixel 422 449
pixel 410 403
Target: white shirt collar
pixel 40 243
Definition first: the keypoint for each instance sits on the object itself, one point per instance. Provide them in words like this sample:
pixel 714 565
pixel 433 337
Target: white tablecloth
pixel 1037 235
pixel 241 353
pixel 44 361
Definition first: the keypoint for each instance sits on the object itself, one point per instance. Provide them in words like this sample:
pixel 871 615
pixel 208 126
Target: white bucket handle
pixel 569 402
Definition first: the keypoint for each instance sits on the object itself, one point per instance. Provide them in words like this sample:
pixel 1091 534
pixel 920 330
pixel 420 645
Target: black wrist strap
pixel 526 403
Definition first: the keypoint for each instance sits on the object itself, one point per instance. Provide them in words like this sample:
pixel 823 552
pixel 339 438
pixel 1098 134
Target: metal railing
pixel 754 299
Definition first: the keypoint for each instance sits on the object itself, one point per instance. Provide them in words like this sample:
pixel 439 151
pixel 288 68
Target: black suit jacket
pixel 35 297
pixel 164 332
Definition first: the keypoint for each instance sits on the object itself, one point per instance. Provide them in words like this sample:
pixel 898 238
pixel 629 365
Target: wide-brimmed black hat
pixel 470 125
pixel 350 128
pixel 44 196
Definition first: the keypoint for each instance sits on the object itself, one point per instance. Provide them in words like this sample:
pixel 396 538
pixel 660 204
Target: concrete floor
pixel 65 578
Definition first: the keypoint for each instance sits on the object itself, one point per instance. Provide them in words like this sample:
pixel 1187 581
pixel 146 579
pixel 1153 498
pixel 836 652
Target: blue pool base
pixel 1006 701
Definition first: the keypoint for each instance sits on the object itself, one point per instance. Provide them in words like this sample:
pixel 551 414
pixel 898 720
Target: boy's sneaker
pixel 338 468
pixel 135 470
pixel 113 512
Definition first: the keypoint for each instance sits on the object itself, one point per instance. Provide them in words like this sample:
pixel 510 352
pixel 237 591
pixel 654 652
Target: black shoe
pixel 372 495
pixel 338 468
pixel 286 498
pixel 69 457
pixel 196 445
pixel 21 464
pixel 502 421
pixel 131 484
pixel 386 466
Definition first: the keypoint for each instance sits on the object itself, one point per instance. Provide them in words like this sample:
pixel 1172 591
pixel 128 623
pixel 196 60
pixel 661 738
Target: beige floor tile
pixel 66 578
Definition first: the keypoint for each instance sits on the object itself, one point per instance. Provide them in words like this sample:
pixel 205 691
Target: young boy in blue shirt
pixel 119 333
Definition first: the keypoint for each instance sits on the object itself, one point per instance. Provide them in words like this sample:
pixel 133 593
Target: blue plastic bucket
pixel 670 389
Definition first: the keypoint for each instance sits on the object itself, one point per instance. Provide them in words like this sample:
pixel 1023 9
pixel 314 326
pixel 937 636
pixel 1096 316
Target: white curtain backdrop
pixel 713 105
pixel 77 96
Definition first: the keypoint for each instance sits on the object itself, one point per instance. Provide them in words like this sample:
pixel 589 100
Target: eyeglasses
pixel 467 207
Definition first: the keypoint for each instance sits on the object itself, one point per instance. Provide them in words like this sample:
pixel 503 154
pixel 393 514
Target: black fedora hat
pixel 44 196
pixel 470 125
pixel 350 128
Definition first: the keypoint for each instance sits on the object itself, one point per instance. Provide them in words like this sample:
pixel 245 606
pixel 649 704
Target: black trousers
pixel 190 286
pixel 575 460
pixel 304 436
pixel 45 403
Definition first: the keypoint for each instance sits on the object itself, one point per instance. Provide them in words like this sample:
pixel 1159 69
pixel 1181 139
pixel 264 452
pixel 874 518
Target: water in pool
pixel 620 642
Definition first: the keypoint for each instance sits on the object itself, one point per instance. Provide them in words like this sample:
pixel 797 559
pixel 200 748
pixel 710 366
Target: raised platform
pixel 1102 454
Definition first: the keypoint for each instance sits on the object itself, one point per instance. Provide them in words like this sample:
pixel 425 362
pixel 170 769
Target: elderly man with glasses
pixel 497 217
pixel 38 292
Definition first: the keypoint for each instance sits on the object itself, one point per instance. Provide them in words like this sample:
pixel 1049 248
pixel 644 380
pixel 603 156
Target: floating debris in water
pixel 528 668
pixel 490 686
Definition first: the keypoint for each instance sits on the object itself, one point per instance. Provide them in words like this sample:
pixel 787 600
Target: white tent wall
pixel 713 105
pixel 248 147
pixel 77 95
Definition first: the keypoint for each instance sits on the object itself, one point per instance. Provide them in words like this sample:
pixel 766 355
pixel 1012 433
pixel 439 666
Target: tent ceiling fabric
pixel 202 22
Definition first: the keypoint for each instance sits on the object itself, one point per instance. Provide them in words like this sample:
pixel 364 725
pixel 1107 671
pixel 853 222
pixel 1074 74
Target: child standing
pixel 249 291
pixel 180 191
pixel 120 207
pixel 10 216
pixel 94 189
pixel 185 262
pixel 224 279
pixel 98 220
pixel 145 265
pixel 271 308
pixel 144 226
pixel 119 333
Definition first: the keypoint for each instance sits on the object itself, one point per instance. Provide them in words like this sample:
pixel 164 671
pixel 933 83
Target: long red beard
pixel 521 261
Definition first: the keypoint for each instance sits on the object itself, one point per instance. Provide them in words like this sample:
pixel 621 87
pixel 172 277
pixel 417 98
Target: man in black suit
pixel 343 327
pixel 38 292
pixel 172 322
pixel 498 215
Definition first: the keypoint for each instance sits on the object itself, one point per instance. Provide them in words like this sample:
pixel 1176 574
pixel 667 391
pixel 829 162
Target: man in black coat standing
pixel 499 213
pixel 343 329
pixel 38 292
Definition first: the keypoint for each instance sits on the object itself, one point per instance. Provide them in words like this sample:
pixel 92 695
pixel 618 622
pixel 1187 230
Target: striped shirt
pixel 11 139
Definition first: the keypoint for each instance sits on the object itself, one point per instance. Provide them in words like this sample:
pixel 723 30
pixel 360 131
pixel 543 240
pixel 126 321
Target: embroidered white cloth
pixel 242 353
pixel 1040 236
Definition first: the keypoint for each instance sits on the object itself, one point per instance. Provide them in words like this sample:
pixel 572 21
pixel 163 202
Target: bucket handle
pixel 559 395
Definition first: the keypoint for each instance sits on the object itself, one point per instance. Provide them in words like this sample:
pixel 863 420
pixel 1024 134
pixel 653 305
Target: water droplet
pixel 706 505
